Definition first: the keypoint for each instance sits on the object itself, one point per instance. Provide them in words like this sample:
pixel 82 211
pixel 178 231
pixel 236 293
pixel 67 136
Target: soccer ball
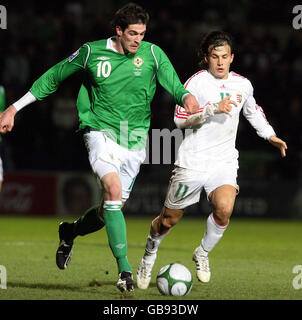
pixel 174 279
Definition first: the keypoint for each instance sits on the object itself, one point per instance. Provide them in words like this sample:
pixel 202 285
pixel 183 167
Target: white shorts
pixel 126 163
pixel 1 171
pixel 186 185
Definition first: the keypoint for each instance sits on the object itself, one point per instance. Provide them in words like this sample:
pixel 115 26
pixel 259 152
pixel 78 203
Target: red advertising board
pixel 28 193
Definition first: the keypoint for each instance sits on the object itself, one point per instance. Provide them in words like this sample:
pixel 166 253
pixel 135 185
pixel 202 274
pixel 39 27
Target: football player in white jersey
pixel 207 158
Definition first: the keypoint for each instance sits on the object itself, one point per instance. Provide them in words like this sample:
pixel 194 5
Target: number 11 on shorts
pixel 182 189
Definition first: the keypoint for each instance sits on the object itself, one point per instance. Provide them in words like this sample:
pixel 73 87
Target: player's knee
pixel 113 191
pixel 223 212
pixel 170 218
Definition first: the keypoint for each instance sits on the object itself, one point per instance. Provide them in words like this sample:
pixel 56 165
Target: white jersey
pixel 214 140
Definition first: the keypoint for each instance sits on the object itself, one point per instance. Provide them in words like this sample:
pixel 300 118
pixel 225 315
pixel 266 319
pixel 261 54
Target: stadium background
pixel 45 160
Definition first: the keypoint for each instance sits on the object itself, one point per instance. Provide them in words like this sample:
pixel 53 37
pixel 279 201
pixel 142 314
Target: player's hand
pixel 191 104
pixel 225 105
pixel 7 118
pixel 280 144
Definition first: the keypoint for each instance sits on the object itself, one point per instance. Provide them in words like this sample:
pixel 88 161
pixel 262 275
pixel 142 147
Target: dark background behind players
pixel 267 51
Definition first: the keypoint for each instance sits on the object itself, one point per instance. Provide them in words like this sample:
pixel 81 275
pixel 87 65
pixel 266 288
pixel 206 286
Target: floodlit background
pixel 45 160
pixel 48 178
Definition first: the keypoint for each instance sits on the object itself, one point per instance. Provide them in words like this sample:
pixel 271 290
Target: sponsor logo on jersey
pixel 75 54
pixel 239 97
pixel 138 61
pixel 103 58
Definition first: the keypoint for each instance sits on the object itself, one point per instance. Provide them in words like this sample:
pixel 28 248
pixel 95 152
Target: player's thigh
pixel 184 188
pixel 132 160
pixel 221 187
pixel 221 175
pixel 101 148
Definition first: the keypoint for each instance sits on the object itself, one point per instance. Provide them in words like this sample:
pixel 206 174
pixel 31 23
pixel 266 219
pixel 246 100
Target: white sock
pixel 153 241
pixel 201 252
pixel 213 234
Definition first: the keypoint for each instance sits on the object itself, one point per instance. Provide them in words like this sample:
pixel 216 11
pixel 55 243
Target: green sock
pixel 90 222
pixel 117 235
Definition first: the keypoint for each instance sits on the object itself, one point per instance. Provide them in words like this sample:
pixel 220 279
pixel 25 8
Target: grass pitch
pixel 253 261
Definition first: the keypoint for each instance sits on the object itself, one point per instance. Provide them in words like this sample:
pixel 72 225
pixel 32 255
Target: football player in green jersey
pixel 113 105
pixel 2 106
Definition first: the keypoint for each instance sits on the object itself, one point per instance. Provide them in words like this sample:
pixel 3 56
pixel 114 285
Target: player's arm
pixel 184 120
pixel 47 84
pixel 168 79
pixel 256 117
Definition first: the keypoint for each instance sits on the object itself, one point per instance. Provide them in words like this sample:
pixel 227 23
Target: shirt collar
pixel 217 79
pixel 110 44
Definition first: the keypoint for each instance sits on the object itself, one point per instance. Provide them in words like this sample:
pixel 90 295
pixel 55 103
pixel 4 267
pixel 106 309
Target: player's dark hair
pixel 131 13
pixel 210 41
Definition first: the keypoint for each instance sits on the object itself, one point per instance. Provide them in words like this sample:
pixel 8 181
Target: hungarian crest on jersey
pixel 239 97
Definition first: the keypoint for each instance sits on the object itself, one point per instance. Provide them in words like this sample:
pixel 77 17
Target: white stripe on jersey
pixel 154 57
pixel 88 54
pixel 155 62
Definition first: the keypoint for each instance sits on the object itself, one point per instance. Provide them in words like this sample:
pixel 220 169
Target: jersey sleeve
pixel 49 82
pixel 167 76
pixel 2 99
pixel 181 118
pixel 256 117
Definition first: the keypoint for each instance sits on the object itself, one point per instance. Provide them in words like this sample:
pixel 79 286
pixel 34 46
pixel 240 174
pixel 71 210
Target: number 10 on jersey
pixel 103 69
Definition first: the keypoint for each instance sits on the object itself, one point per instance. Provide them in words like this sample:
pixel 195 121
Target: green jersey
pixel 2 102
pixel 117 89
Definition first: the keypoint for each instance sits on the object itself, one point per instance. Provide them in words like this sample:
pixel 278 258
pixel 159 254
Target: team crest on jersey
pixel 239 97
pixel 138 61
pixel 75 54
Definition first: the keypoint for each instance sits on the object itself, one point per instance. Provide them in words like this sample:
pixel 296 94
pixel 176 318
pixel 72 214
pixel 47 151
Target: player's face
pixel 131 37
pixel 219 60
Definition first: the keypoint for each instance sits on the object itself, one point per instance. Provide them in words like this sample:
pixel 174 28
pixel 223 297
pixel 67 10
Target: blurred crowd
pixel 40 34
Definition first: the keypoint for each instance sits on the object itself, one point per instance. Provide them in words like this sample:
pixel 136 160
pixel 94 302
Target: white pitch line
pixel 22 243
